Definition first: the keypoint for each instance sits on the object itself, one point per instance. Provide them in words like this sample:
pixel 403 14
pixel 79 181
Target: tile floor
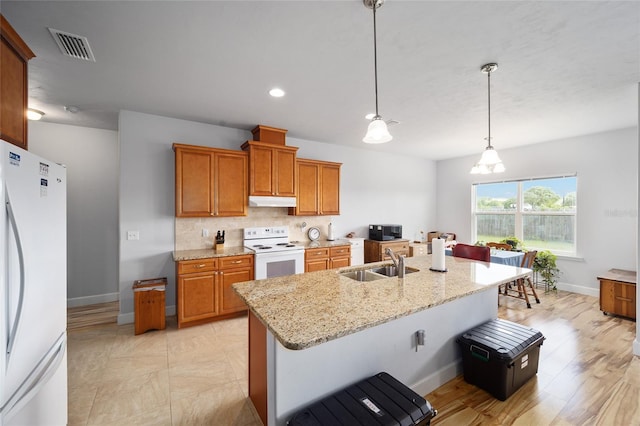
pixel 198 375
pixel 192 376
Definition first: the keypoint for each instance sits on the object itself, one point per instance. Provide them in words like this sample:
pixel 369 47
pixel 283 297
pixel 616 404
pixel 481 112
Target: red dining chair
pixel 472 252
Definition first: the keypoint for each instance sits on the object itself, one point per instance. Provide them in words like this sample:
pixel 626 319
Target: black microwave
pixel 385 232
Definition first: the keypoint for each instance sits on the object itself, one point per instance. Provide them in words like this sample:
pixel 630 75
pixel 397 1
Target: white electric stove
pixel 275 255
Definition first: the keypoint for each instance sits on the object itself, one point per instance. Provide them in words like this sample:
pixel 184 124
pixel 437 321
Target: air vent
pixel 73 45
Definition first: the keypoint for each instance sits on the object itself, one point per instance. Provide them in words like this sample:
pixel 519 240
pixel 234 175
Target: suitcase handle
pixel 479 353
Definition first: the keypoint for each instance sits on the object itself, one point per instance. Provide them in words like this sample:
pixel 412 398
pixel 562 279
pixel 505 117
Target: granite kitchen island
pixel 311 334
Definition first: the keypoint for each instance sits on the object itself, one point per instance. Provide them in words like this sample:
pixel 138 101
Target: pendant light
pixel 377 131
pixel 489 162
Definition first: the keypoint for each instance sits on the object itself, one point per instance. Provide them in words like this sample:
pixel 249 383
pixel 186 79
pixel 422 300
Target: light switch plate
pixel 133 235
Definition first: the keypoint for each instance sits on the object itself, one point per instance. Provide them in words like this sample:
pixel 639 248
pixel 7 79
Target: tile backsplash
pixel 189 230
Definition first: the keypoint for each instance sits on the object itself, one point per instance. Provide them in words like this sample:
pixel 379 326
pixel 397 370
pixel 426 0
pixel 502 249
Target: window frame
pixel 519 213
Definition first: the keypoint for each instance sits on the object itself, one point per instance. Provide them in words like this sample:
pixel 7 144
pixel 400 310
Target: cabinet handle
pixel 202 265
pixel 212 214
pixel 237 261
pixel 624 299
pixel 221 273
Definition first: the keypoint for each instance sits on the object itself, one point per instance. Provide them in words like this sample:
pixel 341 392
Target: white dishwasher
pixel 357 251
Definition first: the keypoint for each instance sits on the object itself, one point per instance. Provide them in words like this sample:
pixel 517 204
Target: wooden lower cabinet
pixel 374 251
pixel 618 293
pixel 203 290
pixel 323 258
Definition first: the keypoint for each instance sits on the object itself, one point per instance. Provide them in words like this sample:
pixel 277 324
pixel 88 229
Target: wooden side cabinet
pixel 271 169
pixel 618 293
pixel 203 290
pixel 374 251
pixel 323 258
pixel 318 188
pixel 210 182
pixel 14 83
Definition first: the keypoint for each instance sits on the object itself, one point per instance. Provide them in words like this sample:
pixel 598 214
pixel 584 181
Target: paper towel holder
pixel 439 270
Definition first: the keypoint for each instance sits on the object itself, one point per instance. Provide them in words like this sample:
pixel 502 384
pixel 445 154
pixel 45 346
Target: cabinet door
pixel 197 297
pixel 14 54
pixel 231 302
pixel 340 262
pixel 284 178
pixel 230 184
pixel 261 173
pixel 330 190
pixel 308 203
pixel 194 183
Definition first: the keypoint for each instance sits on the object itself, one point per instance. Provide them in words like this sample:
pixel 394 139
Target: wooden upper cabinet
pixel 230 187
pixel 14 55
pixel 271 169
pixel 210 182
pixel 318 188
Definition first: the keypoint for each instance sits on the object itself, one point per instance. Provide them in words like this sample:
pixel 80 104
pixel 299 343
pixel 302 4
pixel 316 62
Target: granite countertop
pixel 208 253
pixel 308 309
pixel 323 243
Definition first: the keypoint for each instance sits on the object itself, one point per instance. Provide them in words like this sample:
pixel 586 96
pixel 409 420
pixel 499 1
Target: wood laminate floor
pixel 198 376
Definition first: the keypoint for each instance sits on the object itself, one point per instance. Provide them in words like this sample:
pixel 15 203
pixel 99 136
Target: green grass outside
pixel 531 244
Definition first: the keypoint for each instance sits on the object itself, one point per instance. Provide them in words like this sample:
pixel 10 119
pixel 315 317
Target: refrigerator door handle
pixel 11 333
pixel 38 377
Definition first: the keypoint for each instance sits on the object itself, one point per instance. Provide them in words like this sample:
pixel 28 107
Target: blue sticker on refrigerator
pixel 43 187
pixel 14 159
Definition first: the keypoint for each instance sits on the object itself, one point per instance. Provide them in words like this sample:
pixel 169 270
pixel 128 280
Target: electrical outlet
pixel 205 232
pixel 133 235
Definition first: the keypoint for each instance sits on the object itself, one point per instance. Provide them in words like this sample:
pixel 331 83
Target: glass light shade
pixel 34 114
pixel 377 132
pixel 489 157
pixel 498 168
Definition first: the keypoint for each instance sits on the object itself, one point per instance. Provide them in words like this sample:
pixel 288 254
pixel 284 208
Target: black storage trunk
pixel 378 400
pixel 500 356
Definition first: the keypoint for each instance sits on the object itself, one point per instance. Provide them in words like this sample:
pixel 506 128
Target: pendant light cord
pixel 375 54
pixel 489 104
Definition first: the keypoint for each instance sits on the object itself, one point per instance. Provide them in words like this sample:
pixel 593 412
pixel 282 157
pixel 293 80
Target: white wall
pixel 607 169
pixel 375 187
pixel 91 157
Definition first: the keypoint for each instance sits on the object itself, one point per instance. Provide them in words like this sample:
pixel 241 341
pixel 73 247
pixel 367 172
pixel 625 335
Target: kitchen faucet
pixel 398 262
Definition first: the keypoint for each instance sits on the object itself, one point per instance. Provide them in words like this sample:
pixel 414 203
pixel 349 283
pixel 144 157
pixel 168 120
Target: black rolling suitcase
pixel 378 400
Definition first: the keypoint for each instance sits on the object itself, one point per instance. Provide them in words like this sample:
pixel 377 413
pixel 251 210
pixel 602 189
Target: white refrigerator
pixel 33 289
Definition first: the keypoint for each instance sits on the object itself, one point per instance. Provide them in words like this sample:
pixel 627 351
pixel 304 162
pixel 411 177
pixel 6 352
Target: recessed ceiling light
pixel 34 114
pixel 71 108
pixel 370 115
pixel 276 93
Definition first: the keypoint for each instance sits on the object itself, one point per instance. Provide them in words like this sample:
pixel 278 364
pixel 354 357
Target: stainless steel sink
pixel 392 271
pixel 364 275
pixel 376 273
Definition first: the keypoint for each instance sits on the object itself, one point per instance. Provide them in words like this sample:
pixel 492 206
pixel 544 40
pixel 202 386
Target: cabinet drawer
pixel 340 251
pixel 316 253
pixel 197 265
pixel 236 262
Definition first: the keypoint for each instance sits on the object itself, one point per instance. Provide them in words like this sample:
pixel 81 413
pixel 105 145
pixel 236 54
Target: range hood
pixel 266 201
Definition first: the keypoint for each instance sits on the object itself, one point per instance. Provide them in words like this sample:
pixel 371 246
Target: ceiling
pixel 566 68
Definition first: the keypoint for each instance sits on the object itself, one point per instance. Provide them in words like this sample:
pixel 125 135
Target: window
pixel 539 212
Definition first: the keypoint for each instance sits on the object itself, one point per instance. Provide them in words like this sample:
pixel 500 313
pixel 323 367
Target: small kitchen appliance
pixel 275 255
pixel 385 232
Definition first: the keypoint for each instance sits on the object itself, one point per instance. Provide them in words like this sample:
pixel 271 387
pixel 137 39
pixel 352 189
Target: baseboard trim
pixel 129 317
pixel 437 379
pixel 92 300
pixel 589 291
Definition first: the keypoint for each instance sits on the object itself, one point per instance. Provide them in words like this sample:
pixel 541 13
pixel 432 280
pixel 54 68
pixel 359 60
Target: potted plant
pixel 545 265
pixel 514 242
